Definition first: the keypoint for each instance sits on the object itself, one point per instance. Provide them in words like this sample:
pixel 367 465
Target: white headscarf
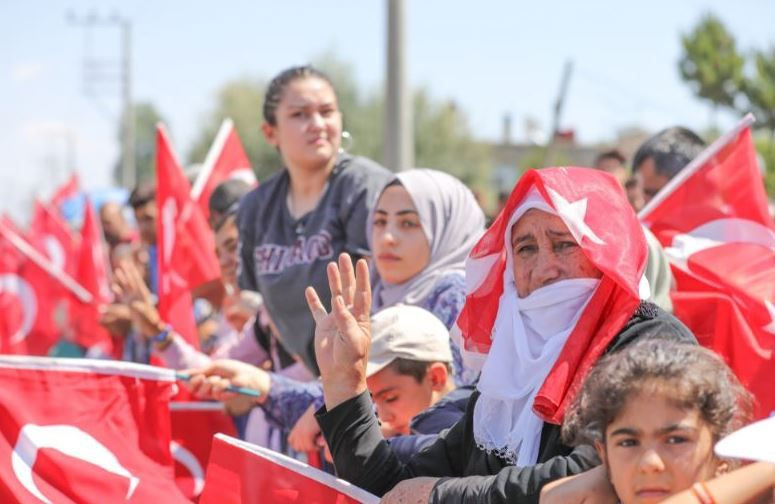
pixel 452 222
pixel 528 335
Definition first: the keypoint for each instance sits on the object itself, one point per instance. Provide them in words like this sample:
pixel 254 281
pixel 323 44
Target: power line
pixel 118 71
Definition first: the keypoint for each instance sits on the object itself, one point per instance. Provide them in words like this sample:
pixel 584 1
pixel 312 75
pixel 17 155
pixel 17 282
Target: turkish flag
pixel 225 160
pixel 240 472
pixel 186 245
pixel 66 191
pixel 713 221
pixel 17 302
pixel 193 426
pixel 50 235
pixel 91 272
pixel 80 430
pixel 50 232
pixel 39 309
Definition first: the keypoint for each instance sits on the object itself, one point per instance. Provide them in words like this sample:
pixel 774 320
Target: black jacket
pixel 425 426
pixel 469 474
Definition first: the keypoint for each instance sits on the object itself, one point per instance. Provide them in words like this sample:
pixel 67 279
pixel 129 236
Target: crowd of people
pixel 432 358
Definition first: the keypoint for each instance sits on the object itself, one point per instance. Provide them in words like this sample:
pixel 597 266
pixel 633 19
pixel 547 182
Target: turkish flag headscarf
pixel 595 210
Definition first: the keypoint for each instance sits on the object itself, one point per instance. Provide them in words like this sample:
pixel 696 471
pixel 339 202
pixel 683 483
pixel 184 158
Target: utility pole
pixel 558 106
pixel 92 75
pixel 399 134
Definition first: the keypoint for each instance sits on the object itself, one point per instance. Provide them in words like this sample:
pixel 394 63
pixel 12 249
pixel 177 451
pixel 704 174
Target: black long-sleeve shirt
pixel 469 474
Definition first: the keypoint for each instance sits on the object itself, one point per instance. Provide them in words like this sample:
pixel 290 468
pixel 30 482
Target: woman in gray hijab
pixel 420 231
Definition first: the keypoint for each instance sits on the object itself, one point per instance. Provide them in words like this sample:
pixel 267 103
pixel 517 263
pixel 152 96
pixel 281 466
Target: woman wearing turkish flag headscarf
pixel 552 285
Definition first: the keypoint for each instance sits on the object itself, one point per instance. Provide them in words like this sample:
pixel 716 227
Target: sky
pixel 492 57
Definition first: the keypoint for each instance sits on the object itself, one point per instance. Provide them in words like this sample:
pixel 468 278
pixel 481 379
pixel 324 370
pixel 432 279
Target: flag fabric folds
pixel 225 160
pixel 186 246
pixel 713 221
pixel 193 426
pixel 80 430
pixel 240 472
pixel 91 272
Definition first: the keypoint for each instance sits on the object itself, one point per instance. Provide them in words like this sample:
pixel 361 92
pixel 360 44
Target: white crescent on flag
pixel 189 461
pixel 717 233
pixel 69 440
pixel 54 251
pixel 17 286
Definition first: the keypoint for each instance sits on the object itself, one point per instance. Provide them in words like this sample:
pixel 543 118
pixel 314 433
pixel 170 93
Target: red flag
pixel 91 272
pixel 240 472
pixel 50 284
pixel 193 426
pixel 65 191
pixel 79 430
pixel 17 302
pixel 59 243
pixel 226 160
pixel 186 254
pixel 713 221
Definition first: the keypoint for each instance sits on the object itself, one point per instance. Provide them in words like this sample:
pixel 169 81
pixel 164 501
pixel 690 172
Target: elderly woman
pixel 554 284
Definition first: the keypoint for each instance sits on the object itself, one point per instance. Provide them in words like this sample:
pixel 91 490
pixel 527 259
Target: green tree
pixel 362 111
pixel 242 101
pixel 759 89
pixel 711 63
pixel 146 118
pixel 442 138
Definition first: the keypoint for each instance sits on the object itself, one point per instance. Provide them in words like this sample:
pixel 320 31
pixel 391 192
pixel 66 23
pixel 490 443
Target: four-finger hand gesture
pixel 132 291
pixel 342 337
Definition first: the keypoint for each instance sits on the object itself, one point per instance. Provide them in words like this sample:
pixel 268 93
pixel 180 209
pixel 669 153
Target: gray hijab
pixel 451 220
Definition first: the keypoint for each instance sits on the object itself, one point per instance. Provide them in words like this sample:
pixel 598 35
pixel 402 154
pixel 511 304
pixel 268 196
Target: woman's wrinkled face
pixel 653 449
pixel 308 132
pixel 401 249
pixel 544 251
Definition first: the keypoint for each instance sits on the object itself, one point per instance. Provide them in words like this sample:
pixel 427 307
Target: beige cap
pixel 407 332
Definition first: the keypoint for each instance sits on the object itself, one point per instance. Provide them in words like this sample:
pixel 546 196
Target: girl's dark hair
pixel 276 88
pixel 690 377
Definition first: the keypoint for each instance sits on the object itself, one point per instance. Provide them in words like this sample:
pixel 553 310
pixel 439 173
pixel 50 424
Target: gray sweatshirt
pixel 280 256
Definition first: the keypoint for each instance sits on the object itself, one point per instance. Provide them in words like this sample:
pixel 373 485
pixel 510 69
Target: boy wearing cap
pixel 409 376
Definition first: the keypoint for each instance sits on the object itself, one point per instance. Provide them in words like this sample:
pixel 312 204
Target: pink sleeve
pixel 244 347
pixel 181 355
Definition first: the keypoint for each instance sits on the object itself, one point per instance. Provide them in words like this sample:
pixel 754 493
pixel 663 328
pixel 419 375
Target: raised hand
pixel 131 289
pixel 342 337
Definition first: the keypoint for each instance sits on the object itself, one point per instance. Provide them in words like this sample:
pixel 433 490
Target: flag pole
pixel 695 164
pixel 43 262
pixel 212 157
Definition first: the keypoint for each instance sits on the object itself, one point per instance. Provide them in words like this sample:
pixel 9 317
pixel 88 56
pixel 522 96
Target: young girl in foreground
pixel 654 412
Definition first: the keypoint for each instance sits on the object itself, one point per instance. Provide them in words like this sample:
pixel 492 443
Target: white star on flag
pixel 573 214
pixel 770 328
